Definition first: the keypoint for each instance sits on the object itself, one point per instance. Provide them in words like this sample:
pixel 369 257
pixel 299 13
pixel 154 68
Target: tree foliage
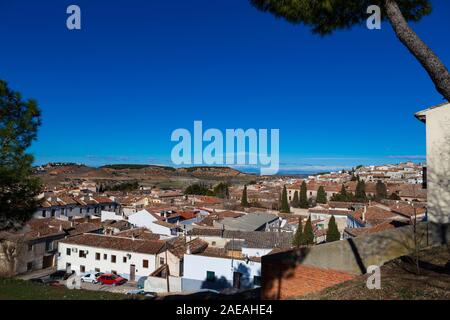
pixel 199 189
pixel 303 201
pixel 308 233
pixel 284 201
pixel 333 233
pixel 19 122
pixel 244 200
pixel 343 195
pixel 221 190
pixel 381 190
pixel 326 16
pixel 394 196
pixel 298 237
pixel 295 201
pixel 360 192
pixel 321 195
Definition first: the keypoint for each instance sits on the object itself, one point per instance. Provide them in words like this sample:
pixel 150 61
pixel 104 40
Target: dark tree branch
pixel 427 58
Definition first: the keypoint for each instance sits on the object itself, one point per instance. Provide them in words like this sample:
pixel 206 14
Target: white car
pixel 91 277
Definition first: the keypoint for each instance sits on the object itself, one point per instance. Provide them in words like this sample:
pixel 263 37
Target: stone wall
pixel 351 256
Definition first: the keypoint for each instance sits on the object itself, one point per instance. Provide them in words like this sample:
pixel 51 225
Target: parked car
pixel 61 275
pixel 141 282
pixel 111 279
pixel 45 281
pixel 91 277
pixel 139 292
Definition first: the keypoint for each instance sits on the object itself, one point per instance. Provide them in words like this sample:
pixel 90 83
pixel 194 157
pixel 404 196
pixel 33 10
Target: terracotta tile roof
pixel 179 247
pixel 138 233
pixel 253 239
pixel 378 228
pixel 117 243
pixel 166 224
pixel 374 215
pixel 407 210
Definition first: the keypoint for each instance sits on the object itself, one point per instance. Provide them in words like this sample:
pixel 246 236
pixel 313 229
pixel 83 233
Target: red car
pixel 111 279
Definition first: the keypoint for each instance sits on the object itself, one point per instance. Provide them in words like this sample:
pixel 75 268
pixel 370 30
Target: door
pixel 132 272
pixel 237 280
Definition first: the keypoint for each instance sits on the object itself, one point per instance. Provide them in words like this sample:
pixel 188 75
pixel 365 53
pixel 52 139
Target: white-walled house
pixel 437 120
pixel 111 215
pixel 213 269
pixel 142 219
pixel 164 228
pixel 130 258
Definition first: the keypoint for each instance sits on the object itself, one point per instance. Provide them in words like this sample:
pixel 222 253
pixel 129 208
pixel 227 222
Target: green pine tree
pixel 325 17
pixel 19 123
pixel 360 193
pixel 303 201
pixel 308 233
pixel 333 233
pixel 298 237
pixel 244 200
pixel 295 200
pixel 321 195
pixel 284 202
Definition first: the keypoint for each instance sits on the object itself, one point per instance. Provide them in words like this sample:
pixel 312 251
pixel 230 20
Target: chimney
pixel 60 227
pixel 188 249
pixel 364 214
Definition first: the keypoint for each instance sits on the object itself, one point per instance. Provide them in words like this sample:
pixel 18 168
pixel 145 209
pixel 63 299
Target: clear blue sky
pixel 114 91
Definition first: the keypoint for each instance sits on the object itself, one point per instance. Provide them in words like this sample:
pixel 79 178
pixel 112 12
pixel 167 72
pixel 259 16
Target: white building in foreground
pixel 213 270
pixel 437 121
pixel 130 258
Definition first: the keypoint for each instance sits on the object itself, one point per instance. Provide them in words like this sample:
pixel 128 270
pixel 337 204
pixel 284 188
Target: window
pixel 257 280
pixel 49 246
pixel 29 266
pixel 114 272
pixel 82 269
pixel 210 276
pixel 124 259
pixel 105 256
pixel 87 210
pixel 30 247
pixel 144 263
pixel 44 213
pixel 161 261
pixel 97 256
pixel 213 243
pixel 82 254
pixel 113 258
pixel 97 269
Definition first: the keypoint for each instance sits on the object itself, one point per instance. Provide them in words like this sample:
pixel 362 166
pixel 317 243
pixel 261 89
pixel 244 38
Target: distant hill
pixel 147 175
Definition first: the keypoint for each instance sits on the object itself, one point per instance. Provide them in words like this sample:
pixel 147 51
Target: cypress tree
pixel 298 237
pixel 381 190
pixel 308 233
pixel 244 201
pixel 360 193
pixel 333 233
pixel 294 202
pixel 303 196
pixel 321 195
pixel 284 202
